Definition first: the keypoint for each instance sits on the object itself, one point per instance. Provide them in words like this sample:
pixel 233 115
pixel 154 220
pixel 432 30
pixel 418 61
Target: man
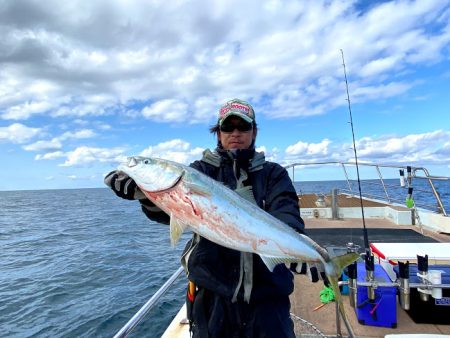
pixel 232 293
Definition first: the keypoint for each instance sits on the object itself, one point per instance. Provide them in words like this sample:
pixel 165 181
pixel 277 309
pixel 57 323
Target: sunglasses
pixel 230 127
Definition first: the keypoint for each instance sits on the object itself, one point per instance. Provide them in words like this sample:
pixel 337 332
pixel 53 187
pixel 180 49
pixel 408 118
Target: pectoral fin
pixel 272 262
pixel 176 230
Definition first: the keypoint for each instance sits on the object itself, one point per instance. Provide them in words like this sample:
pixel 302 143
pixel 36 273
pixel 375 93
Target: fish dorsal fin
pixel 272 262
pixel 247 193
pixel 177 228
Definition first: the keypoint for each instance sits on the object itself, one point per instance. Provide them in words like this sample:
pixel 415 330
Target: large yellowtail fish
pixel 197 202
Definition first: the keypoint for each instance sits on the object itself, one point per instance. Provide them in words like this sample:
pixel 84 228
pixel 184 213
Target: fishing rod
pixel 366 237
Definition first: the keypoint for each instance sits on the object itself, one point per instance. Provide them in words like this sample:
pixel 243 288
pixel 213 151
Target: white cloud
pixel 309 149
pixel 80 109
pixel 56 142
pixel 104 126
pixel 270 155
pixel 50 156
pixel 281 51
pixel 86 122
pixel 379 66
pixel 429 148
pixel 382 91
pixel 43 145
pixel 175 150
pixel 87 156
pixel 409 148
pixel 25 110
pixel 169 110
pixel 18 133
pixel 203 108
pixel 80 134
pixel 120 66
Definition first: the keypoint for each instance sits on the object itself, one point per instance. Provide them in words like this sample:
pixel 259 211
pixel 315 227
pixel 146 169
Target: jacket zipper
pixel 235 172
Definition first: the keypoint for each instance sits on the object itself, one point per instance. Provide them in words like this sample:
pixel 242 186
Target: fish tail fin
pixel 337 265
pixel 340 262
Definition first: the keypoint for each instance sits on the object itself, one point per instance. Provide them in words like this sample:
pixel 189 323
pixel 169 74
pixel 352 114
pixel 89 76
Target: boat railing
pixel 393 199
pixel 145 309
pixel 410 174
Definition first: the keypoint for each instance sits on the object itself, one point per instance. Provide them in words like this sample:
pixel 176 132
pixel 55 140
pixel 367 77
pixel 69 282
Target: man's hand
pixel 122 185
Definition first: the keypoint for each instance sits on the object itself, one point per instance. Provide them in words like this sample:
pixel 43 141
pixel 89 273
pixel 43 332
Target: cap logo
pixel 235 106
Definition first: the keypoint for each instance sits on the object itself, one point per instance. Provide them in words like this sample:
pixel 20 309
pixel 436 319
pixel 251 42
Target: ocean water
pixel 82 262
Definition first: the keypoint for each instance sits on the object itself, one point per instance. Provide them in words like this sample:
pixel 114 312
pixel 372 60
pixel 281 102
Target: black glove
pixel 122 185
pixel 315 272
pixel 153 212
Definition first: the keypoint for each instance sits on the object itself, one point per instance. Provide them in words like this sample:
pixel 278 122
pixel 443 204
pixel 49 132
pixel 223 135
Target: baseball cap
pixel 237 108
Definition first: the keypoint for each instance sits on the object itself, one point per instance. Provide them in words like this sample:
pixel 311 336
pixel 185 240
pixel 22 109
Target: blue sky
pixel 83 85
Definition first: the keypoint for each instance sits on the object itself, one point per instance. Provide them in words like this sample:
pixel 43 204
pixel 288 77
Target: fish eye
pixel 146 161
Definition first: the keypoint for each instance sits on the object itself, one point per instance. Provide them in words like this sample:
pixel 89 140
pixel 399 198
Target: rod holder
pixel 434 277
pixel 410 192
pixel 409 176
pixel 402 177
pixel 370 277
pixel 352 273
pixel 352 286
pixel 404 291
pixel 409 201
pixel 422 272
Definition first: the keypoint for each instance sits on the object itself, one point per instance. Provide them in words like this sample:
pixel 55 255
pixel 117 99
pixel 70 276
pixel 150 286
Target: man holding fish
pixel 238 286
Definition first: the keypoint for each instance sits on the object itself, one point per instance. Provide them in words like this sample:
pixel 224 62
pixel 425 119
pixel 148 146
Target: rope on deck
pixel 308 325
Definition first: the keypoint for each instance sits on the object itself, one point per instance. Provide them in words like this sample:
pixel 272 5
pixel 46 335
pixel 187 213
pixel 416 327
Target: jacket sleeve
pixel 281 198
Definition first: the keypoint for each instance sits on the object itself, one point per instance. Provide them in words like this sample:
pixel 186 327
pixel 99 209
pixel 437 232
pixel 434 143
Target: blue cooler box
pixel 382 311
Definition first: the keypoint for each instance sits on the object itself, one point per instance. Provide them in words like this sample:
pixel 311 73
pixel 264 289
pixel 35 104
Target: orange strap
pixel 191 291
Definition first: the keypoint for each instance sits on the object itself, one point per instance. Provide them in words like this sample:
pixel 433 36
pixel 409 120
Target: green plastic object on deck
pixel 326 295
pixel 409 203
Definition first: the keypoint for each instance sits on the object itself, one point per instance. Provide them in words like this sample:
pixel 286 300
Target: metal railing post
pixel 134 321
pixel 436 194
pixel 382 182
pixel 334 204
pixel 346 177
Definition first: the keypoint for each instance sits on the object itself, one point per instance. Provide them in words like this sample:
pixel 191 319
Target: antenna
pixel 366 238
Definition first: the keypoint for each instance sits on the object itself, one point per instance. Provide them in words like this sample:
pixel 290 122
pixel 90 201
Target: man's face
pixel 235 133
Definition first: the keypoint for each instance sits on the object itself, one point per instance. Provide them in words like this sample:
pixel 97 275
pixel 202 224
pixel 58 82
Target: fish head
pixel 152 174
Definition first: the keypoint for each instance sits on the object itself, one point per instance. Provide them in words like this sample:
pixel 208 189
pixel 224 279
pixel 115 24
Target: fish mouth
pixel 178 180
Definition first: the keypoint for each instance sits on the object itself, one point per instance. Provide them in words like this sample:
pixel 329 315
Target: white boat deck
pixel 179 328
